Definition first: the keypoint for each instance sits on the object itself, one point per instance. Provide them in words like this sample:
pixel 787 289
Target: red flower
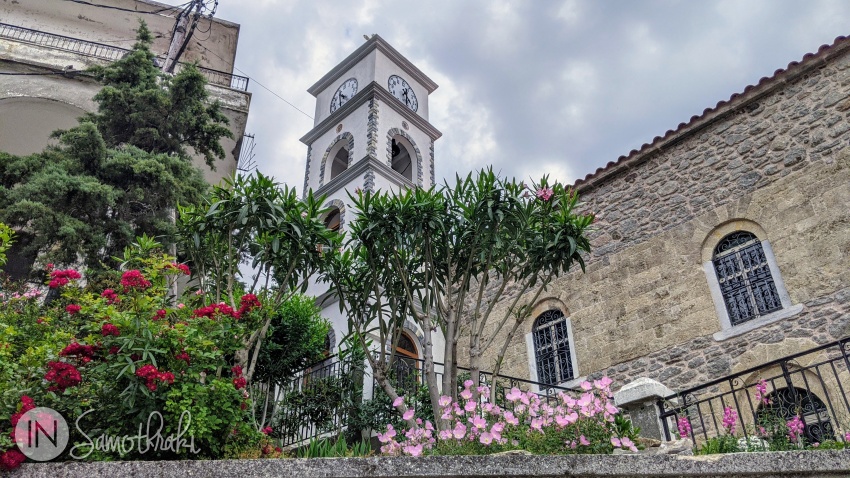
pixel 213 309
pixel 267 450
pixel 27 404
pixel 160 314
pixel 134 280
pixel 113 350
pixel 11 459
pixel 278 449
pixel 184 356
pixel 267 430
pixel 240 383
pixel 151 375
pixel 248 303
pixel 63 375
pixel 59 278
pixel 109 329
pixel 237 371
pixel 180 267
pixel 72 309
pixel 110 296
pixel 76 349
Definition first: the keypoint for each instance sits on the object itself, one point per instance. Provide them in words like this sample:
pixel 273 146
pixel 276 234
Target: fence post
pixel 638 399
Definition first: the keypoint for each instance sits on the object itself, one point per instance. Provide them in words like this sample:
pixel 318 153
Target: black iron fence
pixel 813 386
pixel 321 400
pixel 106 52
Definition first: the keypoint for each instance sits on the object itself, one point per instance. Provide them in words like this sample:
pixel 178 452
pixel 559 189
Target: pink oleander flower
pixel 545 193
pixel 795 429
pixel 684 427
pixel 730 418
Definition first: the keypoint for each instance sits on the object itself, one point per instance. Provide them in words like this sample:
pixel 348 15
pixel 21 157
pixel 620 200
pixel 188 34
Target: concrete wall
pixel 117 27
pixel 824 464
pixel 777 161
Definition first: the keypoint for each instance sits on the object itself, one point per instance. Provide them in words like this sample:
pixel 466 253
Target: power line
pixel 155 12
pixel 257 82
pixel 63 72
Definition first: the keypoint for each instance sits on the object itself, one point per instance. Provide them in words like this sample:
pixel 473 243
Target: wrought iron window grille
pixel 745 279
pixel 552 348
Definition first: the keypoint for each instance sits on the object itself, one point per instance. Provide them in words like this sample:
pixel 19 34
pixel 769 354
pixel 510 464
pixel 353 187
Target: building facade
pixel 38 36
pixel 722 245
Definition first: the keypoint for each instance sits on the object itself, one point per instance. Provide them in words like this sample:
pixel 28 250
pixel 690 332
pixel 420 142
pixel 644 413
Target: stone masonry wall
pixel 780 160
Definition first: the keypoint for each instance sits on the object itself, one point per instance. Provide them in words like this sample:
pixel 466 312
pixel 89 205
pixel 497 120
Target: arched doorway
pixel 406 366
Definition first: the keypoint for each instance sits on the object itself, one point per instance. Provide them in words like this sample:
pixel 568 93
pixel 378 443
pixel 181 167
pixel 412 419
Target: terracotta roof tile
pixel 764 82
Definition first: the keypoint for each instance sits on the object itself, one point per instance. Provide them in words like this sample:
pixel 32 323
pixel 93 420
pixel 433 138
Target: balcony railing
pixel 106 52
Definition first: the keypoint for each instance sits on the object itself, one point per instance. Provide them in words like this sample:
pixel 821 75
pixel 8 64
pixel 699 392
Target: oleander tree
pixel 121 172
pixel 445 258
pixel 254 221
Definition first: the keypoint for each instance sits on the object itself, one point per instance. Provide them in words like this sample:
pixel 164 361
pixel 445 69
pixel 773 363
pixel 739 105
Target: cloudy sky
pixel 530 87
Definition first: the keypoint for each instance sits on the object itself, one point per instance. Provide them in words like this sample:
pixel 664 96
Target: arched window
pixel 402 159
pixel 552 348
pixel 745 278
pixel 340 162
pixel 333 219
pixel 786 403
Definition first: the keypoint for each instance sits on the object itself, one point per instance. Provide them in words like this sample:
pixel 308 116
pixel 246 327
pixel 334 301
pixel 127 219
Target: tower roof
pixel 375 42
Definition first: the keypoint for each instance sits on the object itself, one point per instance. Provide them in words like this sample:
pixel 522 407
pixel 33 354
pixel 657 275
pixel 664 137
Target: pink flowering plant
pixel 474 425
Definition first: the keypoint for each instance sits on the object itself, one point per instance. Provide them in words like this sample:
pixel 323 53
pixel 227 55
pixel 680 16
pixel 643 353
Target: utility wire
pixel 257 82
pixel 63 72
pixel 155 12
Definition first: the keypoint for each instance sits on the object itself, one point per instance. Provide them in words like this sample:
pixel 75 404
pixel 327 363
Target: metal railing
pixel 107 52
pixel 319 400
pixel 813 385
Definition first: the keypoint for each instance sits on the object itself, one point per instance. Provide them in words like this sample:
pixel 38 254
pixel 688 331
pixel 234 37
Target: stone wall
pixel 824 464
pixel 776 158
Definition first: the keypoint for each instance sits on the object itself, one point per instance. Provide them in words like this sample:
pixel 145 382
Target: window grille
pixel 552 348
pixel 744 277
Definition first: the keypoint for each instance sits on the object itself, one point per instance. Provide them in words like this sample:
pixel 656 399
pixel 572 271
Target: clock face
pixel 343 93
pixel 401 90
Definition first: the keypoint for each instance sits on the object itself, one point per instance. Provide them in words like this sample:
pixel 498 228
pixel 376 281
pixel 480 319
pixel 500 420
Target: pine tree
pixel 121 172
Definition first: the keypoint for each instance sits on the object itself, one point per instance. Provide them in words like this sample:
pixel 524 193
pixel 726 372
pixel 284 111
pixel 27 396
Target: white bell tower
pixel 371 127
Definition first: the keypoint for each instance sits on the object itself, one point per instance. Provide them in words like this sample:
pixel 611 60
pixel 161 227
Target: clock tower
pixel 371 127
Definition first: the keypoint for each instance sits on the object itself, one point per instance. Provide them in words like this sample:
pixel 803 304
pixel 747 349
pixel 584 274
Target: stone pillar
pixel 638 399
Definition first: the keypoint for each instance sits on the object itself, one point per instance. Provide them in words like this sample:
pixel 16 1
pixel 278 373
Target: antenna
pixel 246 162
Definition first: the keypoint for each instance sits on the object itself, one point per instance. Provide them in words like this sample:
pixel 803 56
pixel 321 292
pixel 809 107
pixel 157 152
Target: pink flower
pixel 795 428
pixel 408 414
pixel 267 431
pixel 388 436
pixel 486 438
pixel 466 394
pixel 59 278
pixel 586 385
pixel 110 296
pixel 730 418
pixel 545 193
pixel 584 441
pixel 513 395
pixel 616 442
pixel 479 423
pixel 684 427
pixel 459 431
pixel 445 401
pixel 415 450
pixel 398 401
pixel 628 443
pixel 470 406
pixel 761 392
